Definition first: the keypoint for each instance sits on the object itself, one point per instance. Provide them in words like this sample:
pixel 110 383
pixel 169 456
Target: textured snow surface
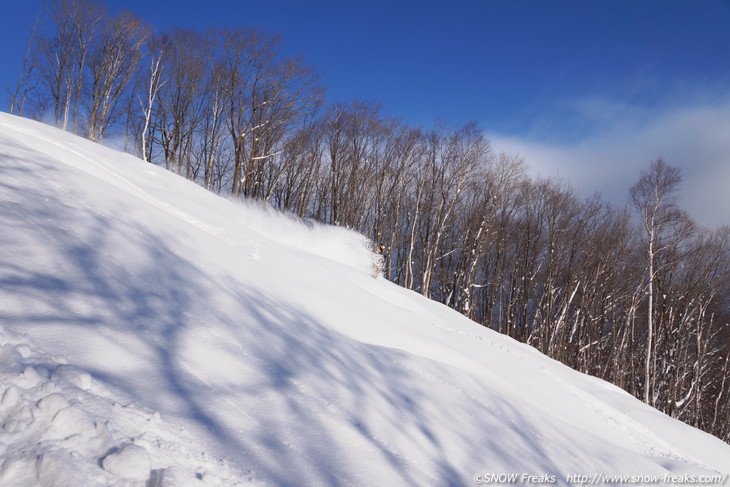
pixel 61 427
pixel 154 334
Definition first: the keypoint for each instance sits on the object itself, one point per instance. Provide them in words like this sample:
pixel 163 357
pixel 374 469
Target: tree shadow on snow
pixel 300 404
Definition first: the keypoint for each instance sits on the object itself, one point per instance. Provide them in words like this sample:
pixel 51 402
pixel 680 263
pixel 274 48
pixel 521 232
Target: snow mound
pixel 59 426
pixel 128 461
pixel 338 244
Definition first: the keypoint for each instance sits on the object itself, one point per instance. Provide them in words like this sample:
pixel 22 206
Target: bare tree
pixel 27 71
pixel 116 56
pixel 63 56
pixel 246 55
pixel 654 197
pixel 454 157
pixel 181 98
pixel 154 82
pixel 213 118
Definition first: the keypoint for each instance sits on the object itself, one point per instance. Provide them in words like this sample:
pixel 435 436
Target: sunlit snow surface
pixel 153 334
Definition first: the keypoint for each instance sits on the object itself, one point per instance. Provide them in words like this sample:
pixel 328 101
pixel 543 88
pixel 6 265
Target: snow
pixel 154 334
pixel 129 461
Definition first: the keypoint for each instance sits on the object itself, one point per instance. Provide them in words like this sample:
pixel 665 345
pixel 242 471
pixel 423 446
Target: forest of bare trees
pixel 637 295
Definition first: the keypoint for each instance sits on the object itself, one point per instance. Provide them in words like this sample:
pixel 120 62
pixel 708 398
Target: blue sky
pixel 590 90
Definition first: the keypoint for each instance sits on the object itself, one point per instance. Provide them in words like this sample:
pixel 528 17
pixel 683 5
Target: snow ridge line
pixel 131 188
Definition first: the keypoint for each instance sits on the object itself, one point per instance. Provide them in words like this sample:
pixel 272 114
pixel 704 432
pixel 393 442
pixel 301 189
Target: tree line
pixel 636 295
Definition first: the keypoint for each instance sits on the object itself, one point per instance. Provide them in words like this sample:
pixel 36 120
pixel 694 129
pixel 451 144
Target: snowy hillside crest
pixel 154 334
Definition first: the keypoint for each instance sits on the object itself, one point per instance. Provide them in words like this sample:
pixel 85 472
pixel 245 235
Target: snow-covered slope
pixel 154 334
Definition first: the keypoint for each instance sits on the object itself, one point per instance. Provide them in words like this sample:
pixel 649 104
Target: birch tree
pixel 64 55
pixel 654 197
pixel 113 64
pixel 151 87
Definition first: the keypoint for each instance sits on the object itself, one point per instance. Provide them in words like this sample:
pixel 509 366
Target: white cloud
pixel 695 138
